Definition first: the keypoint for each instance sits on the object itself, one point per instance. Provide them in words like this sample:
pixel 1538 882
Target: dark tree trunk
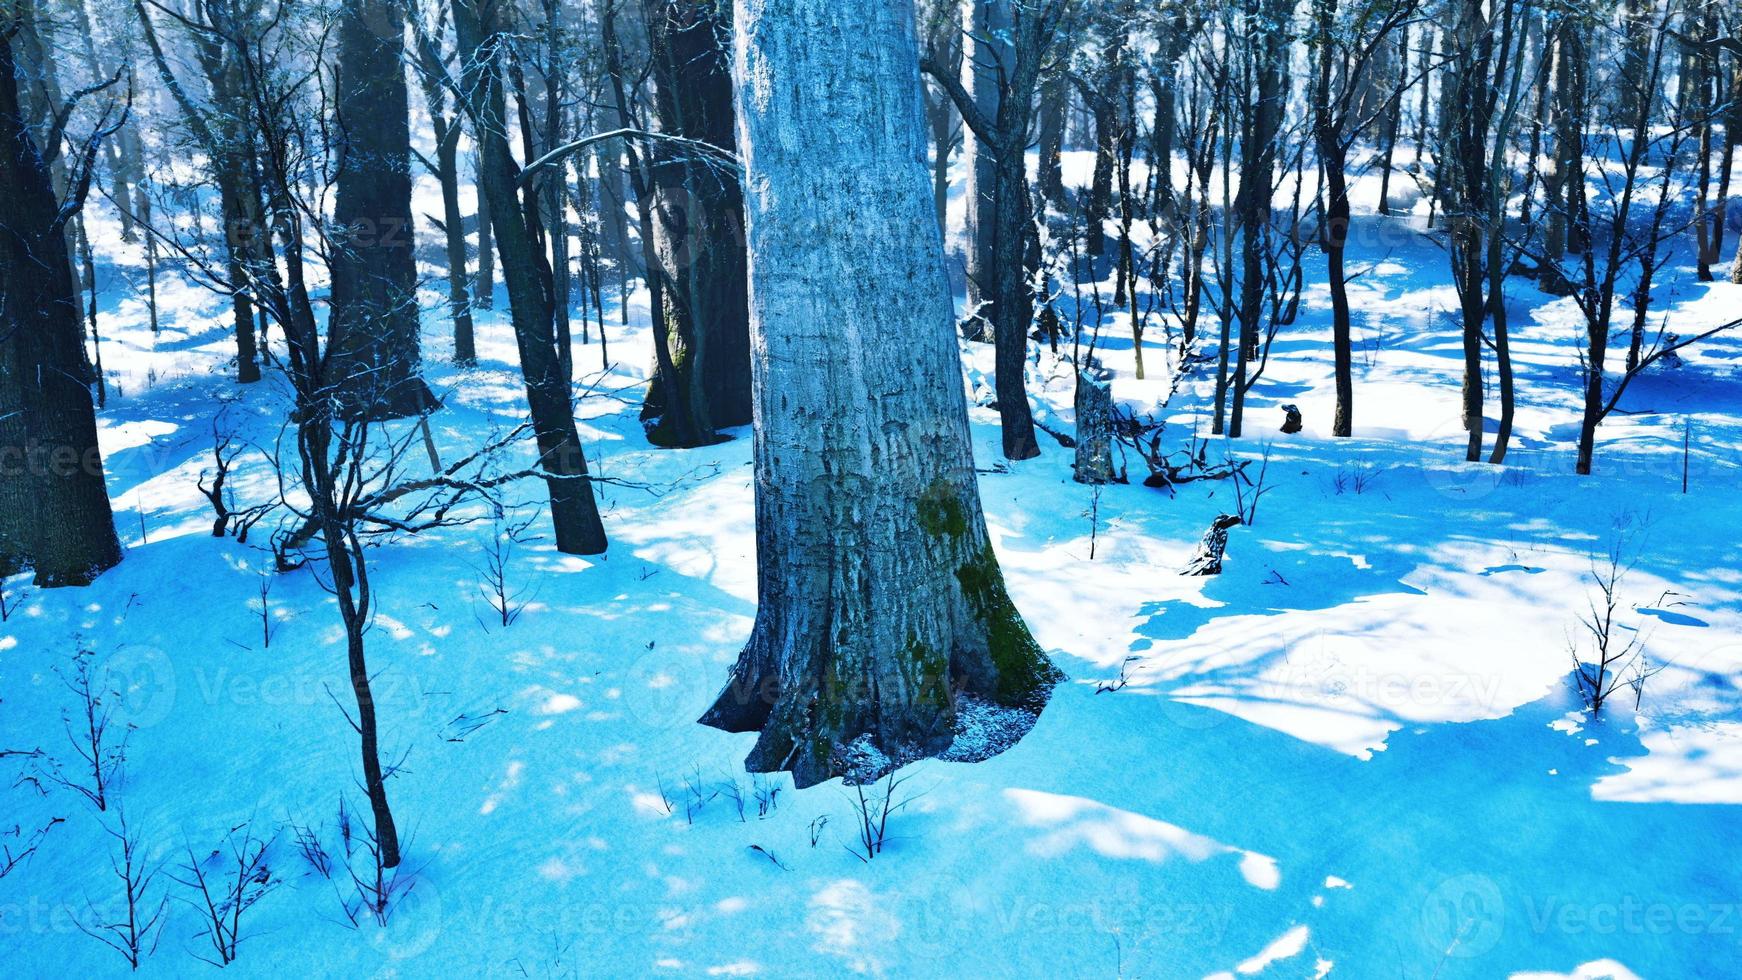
pixel 223 130
pixel 1392 120
pixel 574 513
pixel 484 288
pixel 1055 95
pixel 1177 36
pixel 1328 123
pixel 1257 181
pixel 1699 77
pixel 699 219
pixel 454 235
pixel 1002 139
pixel 671 406
pixel 1100 204
pixel 1466 192
pixel 54 507
pixel 374 357
pixel 1012 302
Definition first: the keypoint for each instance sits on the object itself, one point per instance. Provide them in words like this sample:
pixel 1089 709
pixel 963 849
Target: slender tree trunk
pixel 1177 37
pixel 1100 204
pixel 1698 75
pixel 574 513
pixel 1257 181
pixel 1055 96
pixel 484 292
pixel 459 298
pixel 882 611
pixel 1392 119
pixel 940 118
pixel 1480 56
pixel 982 58
pixel 670 413
pixel 1012 303
pixel 1328 132
pixel 432 76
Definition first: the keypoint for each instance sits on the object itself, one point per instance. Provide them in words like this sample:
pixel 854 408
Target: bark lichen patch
pixel 925 671
pixel 1023 676
pixel 940 511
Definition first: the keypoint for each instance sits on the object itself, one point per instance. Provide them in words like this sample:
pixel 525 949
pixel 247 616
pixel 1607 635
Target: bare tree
pixel 1003 138
pixel 134 926
pixel 1344 45
pixel 224 886
pixel 1611 656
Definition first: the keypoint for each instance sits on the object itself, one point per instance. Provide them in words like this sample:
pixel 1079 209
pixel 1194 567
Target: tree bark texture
pixel 698 212
pixel 54 506
pixel 375 362
pixel 882 618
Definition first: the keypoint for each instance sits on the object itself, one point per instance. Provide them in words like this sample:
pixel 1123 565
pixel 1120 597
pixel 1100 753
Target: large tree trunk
pixel 882 612
pixel 573 511
pixel 54 507
pixel 375 358
pixel 699 218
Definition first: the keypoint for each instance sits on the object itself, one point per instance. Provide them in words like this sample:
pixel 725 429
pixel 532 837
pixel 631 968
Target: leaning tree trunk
pixel 882 611
pixel 375 359
pixel 573 511
pixel 698 220
pixel 54 507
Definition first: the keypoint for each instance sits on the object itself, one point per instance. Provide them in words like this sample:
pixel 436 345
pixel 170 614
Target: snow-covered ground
pixel 1355 753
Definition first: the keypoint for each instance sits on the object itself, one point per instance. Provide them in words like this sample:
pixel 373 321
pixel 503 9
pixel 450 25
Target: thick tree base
pixel 661 433
pixel 967 728
pixel 75 576
pixel 914 704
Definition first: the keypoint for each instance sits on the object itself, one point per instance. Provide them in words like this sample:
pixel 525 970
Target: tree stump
pixel 1208 560
pixel 1290 419
pixel 1094 403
